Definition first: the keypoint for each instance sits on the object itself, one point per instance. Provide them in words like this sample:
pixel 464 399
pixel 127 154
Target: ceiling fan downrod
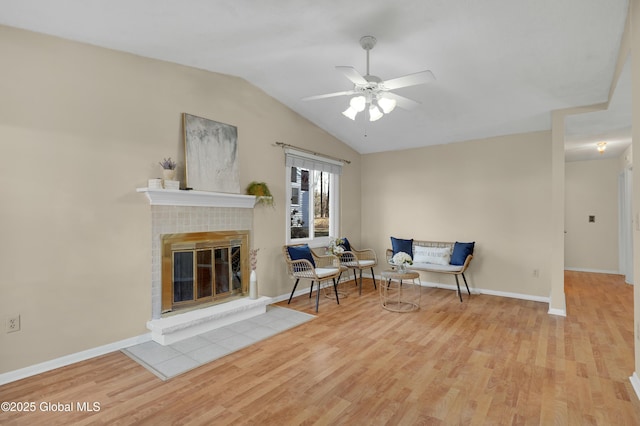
pixel 367 43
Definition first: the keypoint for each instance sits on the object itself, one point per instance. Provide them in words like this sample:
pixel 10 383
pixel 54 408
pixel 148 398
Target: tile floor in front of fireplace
pixel 169 361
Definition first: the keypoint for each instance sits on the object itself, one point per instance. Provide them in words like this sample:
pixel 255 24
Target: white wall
pixel 592 189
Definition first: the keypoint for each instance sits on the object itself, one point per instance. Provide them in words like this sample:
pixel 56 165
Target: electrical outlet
pixel 13 323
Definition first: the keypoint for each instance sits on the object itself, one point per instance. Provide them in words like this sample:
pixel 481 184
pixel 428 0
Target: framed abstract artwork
pixel 211 154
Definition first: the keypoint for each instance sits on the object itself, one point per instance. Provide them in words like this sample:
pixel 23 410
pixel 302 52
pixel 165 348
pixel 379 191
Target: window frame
pixel 334 209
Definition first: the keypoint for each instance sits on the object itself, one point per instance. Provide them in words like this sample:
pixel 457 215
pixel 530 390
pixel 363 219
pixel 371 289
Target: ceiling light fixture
pixel 601 147
pixel 356 105
pixel 373 94
pixel 374 113
pixel 378 106
pixel 387 104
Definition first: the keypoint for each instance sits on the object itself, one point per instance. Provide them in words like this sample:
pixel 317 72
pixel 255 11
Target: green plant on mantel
pixel 261 191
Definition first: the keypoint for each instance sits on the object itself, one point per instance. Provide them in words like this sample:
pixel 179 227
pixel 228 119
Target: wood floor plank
pixel 488 360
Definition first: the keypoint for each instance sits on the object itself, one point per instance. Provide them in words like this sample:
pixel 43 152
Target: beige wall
pixel 592 189
pixel 496 192
pixel 83 127
pixel 633 25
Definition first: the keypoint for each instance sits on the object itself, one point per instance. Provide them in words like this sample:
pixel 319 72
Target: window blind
pixel 294 158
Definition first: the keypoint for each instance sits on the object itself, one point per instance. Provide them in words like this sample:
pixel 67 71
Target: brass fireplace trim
pixel 173 242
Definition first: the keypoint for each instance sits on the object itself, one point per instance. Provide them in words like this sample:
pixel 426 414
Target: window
pixel 313 194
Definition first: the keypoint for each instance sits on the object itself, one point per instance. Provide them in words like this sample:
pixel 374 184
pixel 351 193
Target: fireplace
pixel 203 268
pixel 200 218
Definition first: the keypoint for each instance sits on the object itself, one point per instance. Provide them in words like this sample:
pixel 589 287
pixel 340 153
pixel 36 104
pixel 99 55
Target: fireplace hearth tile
pixel 191 344
pixel 260 332
pixel 153 353
pixel 177 358
pixel 209 353
pixel 218 334
pixel 236 342
pixel 175 366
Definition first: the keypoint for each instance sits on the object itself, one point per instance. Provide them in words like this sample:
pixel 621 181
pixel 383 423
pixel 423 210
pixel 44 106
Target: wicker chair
pixel 358 260
pixel 315 268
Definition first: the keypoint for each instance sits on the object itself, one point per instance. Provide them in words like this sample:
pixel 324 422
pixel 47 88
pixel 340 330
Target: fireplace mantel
pixel 176 197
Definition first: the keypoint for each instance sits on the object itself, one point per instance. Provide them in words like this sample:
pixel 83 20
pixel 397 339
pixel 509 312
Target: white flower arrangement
pixel 401 258
pixel 336 246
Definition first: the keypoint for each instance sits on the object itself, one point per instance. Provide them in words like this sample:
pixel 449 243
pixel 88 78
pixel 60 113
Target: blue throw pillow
pixel 301 252
pixel 460 252
pixel 399 245
pixel 346 245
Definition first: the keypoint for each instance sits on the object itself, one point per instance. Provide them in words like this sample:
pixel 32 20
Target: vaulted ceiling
pixel 501 66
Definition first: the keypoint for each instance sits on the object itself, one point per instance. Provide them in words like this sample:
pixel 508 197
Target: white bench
pixel 420 247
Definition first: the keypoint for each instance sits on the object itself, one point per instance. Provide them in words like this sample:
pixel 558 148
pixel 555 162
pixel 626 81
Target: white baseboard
pixel 635 382
pixel 480 291
pixel 558 312
pixel 32 370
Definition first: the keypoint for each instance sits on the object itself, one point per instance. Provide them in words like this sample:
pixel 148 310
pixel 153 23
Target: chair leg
pixel 335 288
pixel 360 281
pixel 374 279
pixel 293 291
pixel 317 296
pixel 310 289
pixel 465 283
pixel 458 284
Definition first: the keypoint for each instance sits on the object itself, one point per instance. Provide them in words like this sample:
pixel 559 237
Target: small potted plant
pixel 168 168
pixel 261 191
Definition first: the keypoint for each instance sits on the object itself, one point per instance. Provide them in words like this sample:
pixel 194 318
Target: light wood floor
pixel 487 361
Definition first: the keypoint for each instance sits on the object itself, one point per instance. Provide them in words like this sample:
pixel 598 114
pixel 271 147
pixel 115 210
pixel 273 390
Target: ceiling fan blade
pixel 352 74
pixel 421 77
pixel 401 101
pixel 329 95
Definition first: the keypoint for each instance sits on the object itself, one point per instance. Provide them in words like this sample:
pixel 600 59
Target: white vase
pixel 253 286
pixel 169 174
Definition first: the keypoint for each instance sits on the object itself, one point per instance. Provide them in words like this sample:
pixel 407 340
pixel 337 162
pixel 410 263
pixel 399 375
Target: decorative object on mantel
pixel 261 191
pixel 168 168
pixel 155 184
pixel 253 283
pixel 211 150
pixel 171 184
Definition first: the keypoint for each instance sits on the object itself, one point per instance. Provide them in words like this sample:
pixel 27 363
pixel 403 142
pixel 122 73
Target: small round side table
pixel 399 292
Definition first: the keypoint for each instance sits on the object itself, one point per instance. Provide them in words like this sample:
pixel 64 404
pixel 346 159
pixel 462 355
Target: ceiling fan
pixel 372 91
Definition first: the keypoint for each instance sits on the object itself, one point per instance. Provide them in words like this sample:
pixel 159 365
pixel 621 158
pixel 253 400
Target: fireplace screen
pixel 203 267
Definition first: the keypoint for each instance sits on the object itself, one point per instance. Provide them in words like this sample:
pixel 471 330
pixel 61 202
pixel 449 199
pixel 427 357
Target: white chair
pixel 303 263
pixel 358 260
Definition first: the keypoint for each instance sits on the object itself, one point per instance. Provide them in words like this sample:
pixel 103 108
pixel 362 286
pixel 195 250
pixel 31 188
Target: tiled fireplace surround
pixel 174 211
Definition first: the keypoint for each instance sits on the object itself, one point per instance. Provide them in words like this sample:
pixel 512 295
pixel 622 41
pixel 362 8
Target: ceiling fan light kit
pixel 372 91
pixel 374 113
pixel 387 104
